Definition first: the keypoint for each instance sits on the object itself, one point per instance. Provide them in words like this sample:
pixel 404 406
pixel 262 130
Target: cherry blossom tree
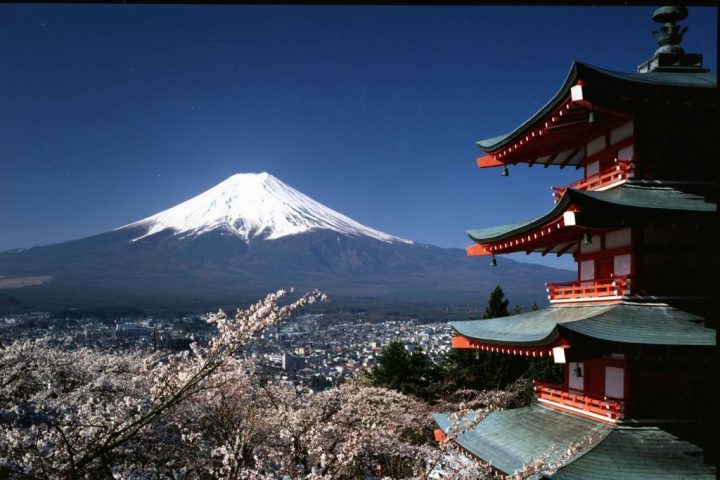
pixel 88 413
pixel 209 414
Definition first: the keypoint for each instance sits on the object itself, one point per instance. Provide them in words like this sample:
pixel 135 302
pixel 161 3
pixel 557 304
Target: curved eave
pixel 503 232
pixel 621 206
pixel 497 142
pixel 624 323
pixel 508 439
pixel 531 329
pixel 656 83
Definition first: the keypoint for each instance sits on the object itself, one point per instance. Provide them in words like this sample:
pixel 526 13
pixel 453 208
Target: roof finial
pixel 671 34
pixel 670 57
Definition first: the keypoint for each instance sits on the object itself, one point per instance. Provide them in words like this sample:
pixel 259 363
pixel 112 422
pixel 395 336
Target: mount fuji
pixel 248 235
pixel 253 206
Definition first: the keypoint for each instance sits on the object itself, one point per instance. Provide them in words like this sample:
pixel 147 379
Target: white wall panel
pixel 621 133
pixel 618 238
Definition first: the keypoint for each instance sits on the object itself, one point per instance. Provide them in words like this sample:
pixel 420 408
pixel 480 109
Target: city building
pixel 636 331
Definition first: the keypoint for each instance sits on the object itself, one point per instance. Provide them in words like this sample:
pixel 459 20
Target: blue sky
pixel 111 113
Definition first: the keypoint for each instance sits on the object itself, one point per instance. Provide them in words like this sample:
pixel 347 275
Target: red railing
pixel 619 172
pixel 595 289
pixel 610 408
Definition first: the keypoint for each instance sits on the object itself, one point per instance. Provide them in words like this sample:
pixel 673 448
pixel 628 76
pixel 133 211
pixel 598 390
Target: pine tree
pixel 409 373
pixel 478 369
pixel 392 366
pixel 497 305
pixel 474 369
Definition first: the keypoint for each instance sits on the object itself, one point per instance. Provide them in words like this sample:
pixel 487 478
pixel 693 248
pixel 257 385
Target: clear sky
pixel 110 113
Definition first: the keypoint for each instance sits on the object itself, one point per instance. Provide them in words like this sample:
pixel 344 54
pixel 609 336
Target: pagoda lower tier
pixel 621 361
pixel 507 440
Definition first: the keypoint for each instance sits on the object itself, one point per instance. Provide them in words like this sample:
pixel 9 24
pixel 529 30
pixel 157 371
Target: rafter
pixel 570 157
pixel 565 248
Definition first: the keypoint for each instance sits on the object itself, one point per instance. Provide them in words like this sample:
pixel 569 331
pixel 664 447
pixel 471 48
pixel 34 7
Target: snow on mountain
pixel 255 205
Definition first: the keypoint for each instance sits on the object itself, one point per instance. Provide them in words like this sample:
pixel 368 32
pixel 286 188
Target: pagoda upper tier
pixel 592 102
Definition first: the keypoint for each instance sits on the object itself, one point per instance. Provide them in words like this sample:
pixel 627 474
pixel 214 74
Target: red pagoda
pixel 636 330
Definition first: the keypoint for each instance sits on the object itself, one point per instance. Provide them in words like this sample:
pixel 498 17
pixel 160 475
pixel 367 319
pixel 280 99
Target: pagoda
pixel 635 332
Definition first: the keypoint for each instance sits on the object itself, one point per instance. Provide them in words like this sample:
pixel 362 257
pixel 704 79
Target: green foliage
pixel 545 370
pixel 319 383
pixel 497 305
pixel 409 373
pixel 474 369
pixel 461 368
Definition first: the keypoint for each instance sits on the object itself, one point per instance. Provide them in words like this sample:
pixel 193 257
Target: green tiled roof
pixel 510 438
pixel 618 80
pixel 628 199
pixel 645 325
pixel 656 198
pixel 636 453
pixel 531 328
pixel 667 79
pixel 627 323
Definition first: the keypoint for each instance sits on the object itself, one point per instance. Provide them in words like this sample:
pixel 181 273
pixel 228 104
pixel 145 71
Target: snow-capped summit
pixel 254 205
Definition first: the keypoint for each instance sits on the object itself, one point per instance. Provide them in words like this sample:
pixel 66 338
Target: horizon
pixel 119 112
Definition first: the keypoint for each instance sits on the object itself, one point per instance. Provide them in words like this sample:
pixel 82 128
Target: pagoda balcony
pixel 603 289
pixel 611 177
pixel 599 407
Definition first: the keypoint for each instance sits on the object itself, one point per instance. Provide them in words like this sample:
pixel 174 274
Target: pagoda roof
pixel 626 323
pixel 628 202
pixel 510 438
pixel 639 453
pixel 612 82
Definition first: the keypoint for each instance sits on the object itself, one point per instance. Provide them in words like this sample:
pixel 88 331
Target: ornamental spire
pixel 670 34
pixel 670 57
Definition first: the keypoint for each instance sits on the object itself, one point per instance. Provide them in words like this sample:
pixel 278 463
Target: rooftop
pixel 672 83
pixel 510 438
pixel 625 323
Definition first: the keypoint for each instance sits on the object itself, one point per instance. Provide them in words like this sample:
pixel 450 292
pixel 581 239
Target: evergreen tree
pixel 410 373
pixel 545 370
pixel 497 305
pixel 392 366
pixel 474 369
pixel 479 370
